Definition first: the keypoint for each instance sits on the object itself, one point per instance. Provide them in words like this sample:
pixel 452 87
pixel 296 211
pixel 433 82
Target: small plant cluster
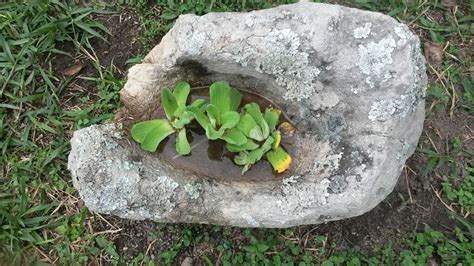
pixel 251 134
pixel 460 190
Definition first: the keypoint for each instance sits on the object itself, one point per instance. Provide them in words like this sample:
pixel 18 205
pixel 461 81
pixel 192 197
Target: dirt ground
pixel 413 203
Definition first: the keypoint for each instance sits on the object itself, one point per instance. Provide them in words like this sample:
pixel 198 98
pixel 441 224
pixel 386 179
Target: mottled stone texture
pixel 352 81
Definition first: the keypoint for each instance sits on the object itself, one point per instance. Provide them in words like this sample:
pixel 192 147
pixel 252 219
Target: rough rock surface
pixel 352 82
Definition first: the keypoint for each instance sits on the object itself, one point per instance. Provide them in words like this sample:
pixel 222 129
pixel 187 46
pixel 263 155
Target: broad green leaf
pixel 213 115
pixel 229 119
pixel 169 103
pixel 246 124
pixel 219 95
pixel 151 133
pixel 247 146
pixel 181 92
pixel 152 140
pixel 235 98
pixel 213 134
pixel 198 113
pixel 267 145
pixel 254 110
pixel 234 136
pixel 224 97
pixel 256 134
pixel 279 159
pixel 182 144
pixel 142 129
pixel 271 117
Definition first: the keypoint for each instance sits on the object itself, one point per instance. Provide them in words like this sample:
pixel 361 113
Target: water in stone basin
pixel 209 157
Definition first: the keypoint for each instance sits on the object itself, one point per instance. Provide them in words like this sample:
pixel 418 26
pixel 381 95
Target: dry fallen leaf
pixel 448 3
pixel 73 70
pixel 434 53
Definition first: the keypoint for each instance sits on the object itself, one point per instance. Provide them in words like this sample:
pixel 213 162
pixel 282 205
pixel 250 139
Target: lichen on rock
pixel 362 32
pixel 298 197
pixel 278 54
pixel 376 55
pixel 193 190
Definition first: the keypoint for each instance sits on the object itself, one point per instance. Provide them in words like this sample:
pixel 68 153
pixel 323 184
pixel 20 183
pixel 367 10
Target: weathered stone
pixel 352 82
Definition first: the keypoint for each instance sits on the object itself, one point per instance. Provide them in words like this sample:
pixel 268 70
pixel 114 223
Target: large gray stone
pixel 352 82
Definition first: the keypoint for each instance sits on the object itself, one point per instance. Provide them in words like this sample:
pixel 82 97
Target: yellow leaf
pixel 279 159
pixel 277 136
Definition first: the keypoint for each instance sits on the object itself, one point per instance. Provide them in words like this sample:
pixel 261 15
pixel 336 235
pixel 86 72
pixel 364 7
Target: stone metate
pixel 351 81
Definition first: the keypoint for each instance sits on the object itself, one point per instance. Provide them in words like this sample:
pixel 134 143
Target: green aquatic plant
pixel 150 133
pixel 220 116
pixel 251 134
pixel 263 139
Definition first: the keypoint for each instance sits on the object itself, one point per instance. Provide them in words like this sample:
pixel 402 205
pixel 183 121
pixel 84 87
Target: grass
pixel 42 218
pixel 34 123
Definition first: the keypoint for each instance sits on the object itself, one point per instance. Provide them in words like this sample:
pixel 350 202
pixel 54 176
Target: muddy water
pixel 209 157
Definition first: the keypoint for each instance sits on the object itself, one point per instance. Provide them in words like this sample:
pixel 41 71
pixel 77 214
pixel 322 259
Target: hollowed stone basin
pixel 352 83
